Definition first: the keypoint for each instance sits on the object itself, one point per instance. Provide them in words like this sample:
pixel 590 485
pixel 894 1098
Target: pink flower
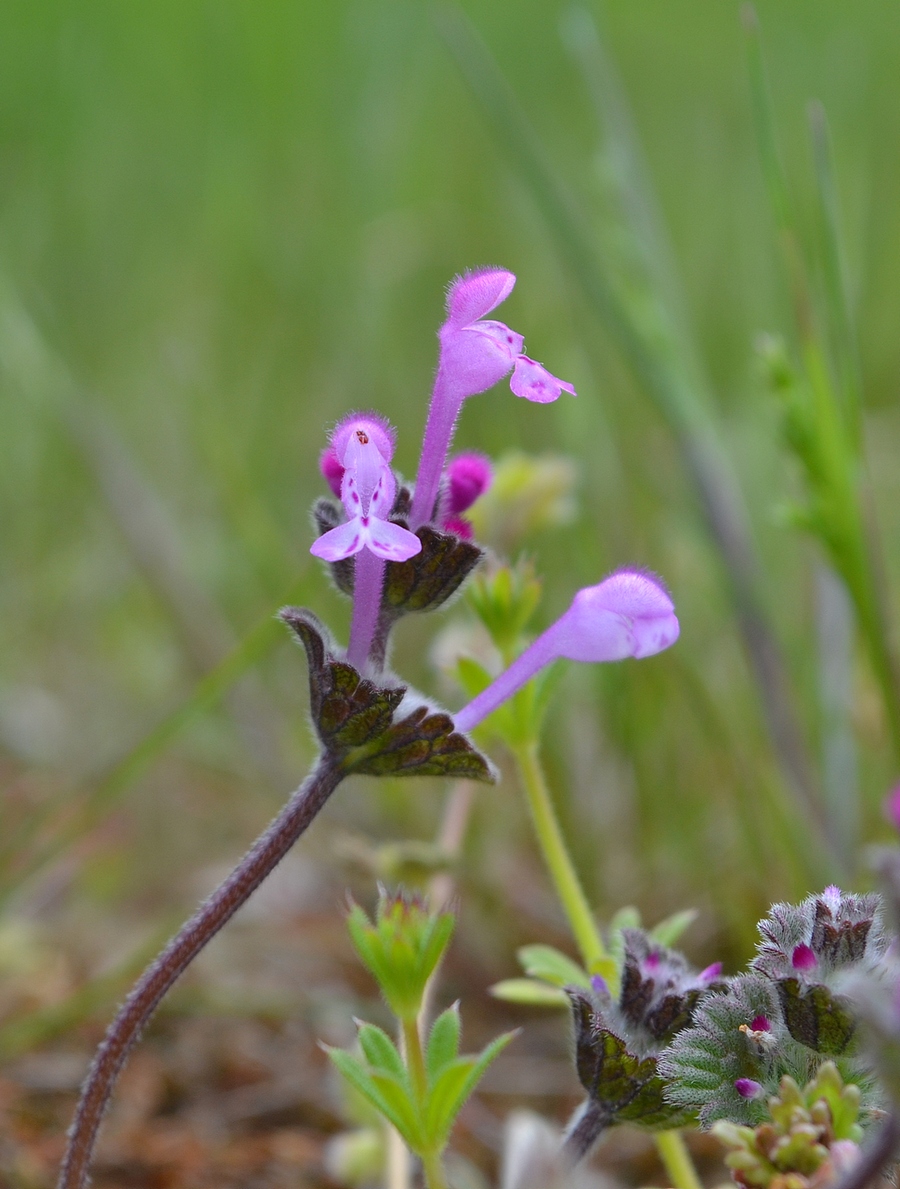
pixel 628 614
pixel 475 353
pixel 362 445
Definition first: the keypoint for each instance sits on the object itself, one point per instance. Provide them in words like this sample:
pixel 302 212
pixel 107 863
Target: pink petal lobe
pixel 473 295
pixel 340 542
pixel 532 381
pixel 391 541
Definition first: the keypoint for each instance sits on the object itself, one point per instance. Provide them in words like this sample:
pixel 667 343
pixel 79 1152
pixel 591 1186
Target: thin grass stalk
pixel 667 379
pixel 848 533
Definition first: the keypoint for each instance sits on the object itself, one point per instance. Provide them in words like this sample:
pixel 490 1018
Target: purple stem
pixel 260 860
pixel 590 1126
pixel 442 414
pixel 523 668
pixel 368 583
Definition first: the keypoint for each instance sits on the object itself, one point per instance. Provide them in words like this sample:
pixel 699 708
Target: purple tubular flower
pixel 747 1088
pixel 475 353
pixel 628 614
pixel 362 445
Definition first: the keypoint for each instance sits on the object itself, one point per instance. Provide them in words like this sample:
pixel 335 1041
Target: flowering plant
pixel 397 549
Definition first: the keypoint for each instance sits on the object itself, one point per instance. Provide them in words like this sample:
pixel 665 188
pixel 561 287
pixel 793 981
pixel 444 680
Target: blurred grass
pixel 233 224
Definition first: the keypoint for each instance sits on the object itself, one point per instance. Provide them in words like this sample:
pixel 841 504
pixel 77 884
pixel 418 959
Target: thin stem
pixel 433 1167
pixel 556 856
pixel 571 894
pixel 442 414
pixel 587 1130
pixel 260 860
pixel 415 1059
pixel 677 1159
pixel 368 582
pixel 418 1076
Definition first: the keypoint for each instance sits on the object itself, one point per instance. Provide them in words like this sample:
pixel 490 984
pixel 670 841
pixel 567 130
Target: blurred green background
pixel 224 225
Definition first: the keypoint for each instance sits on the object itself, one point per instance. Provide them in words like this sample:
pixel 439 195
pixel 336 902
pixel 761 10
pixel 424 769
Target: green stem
pixel 556 856
pixel 677 1159
pixel 415 1062
pixel 670 1145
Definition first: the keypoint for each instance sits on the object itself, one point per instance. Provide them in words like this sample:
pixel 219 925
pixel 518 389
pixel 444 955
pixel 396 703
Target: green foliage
pixel 545 962
pixel 505 597
pixel 796 1139
pixel 423 1116
pixel 402 948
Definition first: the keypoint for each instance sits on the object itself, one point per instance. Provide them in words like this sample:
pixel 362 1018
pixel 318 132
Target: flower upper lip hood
pixel 475 353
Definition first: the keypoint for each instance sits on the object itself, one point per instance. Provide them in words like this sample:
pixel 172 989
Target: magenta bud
pixel 803 958
pixel 760 1024
pixel 468 478
pixel 332 471
pixel 460 526
pixel 747 1088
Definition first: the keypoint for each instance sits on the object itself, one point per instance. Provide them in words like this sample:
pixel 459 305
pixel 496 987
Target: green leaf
pixel 454 1086
pixel 355 719
pixel 547 963
pixel 443 1043
pixel 403 1109
pixel 473 677
pixel 668 931
pixel 381 1052
pixel 530 992
pixel 816 1017
pixel 368 1086
pixel 627 917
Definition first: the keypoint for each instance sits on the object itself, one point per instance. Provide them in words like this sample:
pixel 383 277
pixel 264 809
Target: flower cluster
pixel 783 1016
pixel 398 549
pixel 619 1038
